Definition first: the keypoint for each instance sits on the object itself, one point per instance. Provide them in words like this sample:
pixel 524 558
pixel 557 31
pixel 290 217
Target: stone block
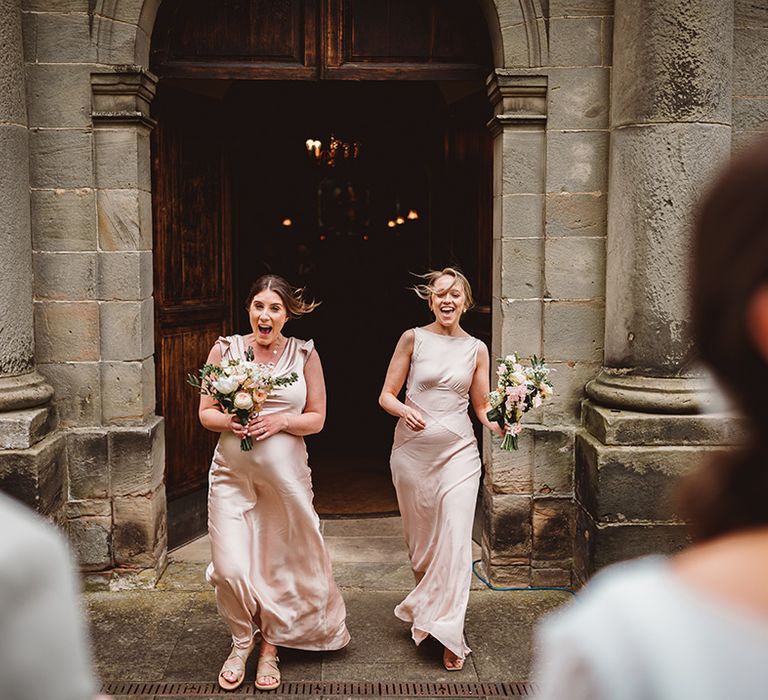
pixel 91 540
pixel 577 161
pixel 575 41
pixel 22 429
pixel 60 158
pixel 748 13
pixel 126 392
pixel 123 158
pixel 573 331
pixel 574 268
pixel 552 577
pixel 519 261
pixel 618 542
pixel 509 472
pixel 137 458
pixel 124 220
pixel 127 329
pixel 607 41
pixel 514 39
pixel 580 8
pixel 67 331
pixel 585 536
pixel 88 464
pixel 36 475
pixel 125 276
pixel 521 325
pixel 522 216
pixel 553 459
pixel 579 98
pixel 569 380
pixel 101 507
pixel 139 536
pixel 64 276
pixel 128 11
pixel 523 161
pixel 148 382
pixel 59 94
pixel 509 575
pixel 61 5
pixel 553 532
pixel 613 426
pixel 12 97
pixel 750 61
pixel 63 219
pixel 117 42
pixel 507 528
pixel 576 214
pixel 750 113
pixel 76 392
pixel 64 38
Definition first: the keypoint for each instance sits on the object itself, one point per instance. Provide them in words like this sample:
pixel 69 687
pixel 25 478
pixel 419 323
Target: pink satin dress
pixel 436 472
pixel 270 566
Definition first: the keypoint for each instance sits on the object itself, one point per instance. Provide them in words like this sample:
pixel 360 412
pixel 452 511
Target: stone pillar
pixel 31 464
pixel 670 131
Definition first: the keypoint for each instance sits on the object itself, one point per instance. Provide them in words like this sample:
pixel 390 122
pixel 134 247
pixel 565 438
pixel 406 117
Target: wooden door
pixel 192 239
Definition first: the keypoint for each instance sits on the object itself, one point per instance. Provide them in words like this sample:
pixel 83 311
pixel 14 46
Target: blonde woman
pixel 269 564
pixel 435 461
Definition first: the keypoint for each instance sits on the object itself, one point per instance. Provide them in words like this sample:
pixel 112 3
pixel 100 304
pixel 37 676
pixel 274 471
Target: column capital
pixel 123 96
pixel 516 99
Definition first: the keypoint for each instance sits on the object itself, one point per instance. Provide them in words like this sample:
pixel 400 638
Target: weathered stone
pixel 90 538
pixel 574 268
pixel 77 395
pixel 576 8
pixel 125 220
pixel 672 62
pixel 613 426
pixel 117 42
pixel 60 158
pixel 522 216
pixel 750 113
pixel 125 276
pixel 507 528
pixel 148 383
pixel 12 106
pixel 509 472
pixel 516 50
pixel 137 458
pixel 607 41
pixel 123 159
pixel 750 61
pixel 520 327
pixel 578 98
pixel 576 214
pixel 47 82
pixel 522 161
pixel 575 41
pixel 24 428
pixel 569 380
pixel 585 537
pixel 553 532
pixel 139 535
pixel 573 331
pixel 748 13
pixel 577 161
pixel 101 507
pixel 88 464
pixel 29 34
pixel 127 329
pixel 553 461
pixel 67 331
pixel 552 577
pixel 64 38
pixel 126 392
pixel 61 5
pixel 63 219
pixel 617 542
pixel 509 575
pixel 64 276
pixel 519 262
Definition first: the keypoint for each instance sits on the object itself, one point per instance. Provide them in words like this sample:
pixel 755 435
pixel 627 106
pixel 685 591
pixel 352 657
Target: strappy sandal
pixel 267 666
pixel 235 664
pixel 457 664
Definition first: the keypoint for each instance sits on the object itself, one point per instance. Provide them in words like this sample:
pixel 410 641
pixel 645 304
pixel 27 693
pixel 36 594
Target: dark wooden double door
pixel 230 167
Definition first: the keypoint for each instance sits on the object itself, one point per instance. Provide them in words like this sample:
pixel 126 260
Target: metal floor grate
pixel 328 689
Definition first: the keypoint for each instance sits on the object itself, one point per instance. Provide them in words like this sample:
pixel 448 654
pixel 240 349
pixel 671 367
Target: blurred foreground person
pixel 695 626
pixel 43 650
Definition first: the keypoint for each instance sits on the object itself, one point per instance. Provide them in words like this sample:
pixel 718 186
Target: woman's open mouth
pixel 264 330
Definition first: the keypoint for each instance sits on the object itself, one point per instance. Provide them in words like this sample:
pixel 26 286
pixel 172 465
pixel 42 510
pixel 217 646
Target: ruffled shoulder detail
pixel 228 344
pixel 306 346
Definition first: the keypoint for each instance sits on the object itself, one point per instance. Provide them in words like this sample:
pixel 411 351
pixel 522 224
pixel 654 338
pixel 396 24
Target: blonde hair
pixel 426 290
pixel 293 297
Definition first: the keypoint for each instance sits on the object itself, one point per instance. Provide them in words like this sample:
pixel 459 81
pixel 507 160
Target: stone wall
pixel 750 72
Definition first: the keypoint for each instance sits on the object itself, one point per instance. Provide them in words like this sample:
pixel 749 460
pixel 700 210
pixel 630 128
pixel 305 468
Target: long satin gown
pixel 436 472
pixel 270 566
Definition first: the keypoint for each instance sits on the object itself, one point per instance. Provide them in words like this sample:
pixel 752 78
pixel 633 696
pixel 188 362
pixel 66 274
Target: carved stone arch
pixel 122 30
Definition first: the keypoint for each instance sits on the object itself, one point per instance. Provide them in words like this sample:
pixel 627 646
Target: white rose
pixel 518 377
pixel 243 401
pixel 226 385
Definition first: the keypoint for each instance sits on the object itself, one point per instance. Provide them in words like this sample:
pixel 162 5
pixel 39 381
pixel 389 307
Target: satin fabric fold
pixel 436 473
pixel 270 566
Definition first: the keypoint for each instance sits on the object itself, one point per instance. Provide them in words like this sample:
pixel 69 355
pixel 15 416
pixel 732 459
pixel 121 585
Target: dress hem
pixel 418 628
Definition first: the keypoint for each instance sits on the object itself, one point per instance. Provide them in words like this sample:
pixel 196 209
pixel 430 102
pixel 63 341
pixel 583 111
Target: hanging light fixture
pixel 337 150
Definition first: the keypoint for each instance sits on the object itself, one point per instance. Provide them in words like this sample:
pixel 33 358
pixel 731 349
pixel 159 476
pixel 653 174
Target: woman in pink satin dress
pixel 270 566
pixel 435 461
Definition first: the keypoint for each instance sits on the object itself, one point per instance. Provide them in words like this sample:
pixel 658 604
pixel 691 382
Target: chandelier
pixel 336 151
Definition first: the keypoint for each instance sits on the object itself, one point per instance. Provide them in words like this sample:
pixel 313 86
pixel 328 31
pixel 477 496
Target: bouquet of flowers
pixel 240 387
pixel 520 388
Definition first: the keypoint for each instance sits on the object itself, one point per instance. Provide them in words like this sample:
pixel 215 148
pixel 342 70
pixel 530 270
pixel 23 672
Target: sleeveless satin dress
pixel 270 566
pixel 436 472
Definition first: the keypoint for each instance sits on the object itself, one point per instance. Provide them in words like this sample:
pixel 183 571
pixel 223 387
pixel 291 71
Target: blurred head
pixel 729 286
pixel 271 302
pixel 448 294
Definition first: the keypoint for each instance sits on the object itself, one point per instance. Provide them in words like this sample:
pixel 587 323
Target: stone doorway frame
pixel 515 539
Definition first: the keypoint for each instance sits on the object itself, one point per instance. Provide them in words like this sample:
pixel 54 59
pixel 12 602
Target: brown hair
pixel 292 297
pixel 426 290
pixel 730 263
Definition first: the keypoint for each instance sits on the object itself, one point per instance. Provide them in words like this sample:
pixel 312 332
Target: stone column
pixel 29 469
pixel 670 131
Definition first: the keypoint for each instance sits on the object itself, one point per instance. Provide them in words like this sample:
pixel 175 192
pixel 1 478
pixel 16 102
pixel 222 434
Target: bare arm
pixel 394 380
pixel 210 415
pixel 478 391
